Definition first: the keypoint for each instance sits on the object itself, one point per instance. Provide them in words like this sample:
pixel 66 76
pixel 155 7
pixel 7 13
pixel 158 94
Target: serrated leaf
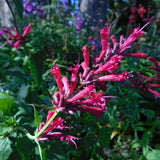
pixel 5 149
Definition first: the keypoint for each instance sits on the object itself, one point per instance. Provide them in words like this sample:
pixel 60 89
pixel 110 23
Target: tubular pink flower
pixel 56 124
pixel 156 63
pixel 115 77
pixel 112 64
pixel 85 51
pixel 27 30
pixel 93 110
pixel 47 135
pixel 135 35
pixel 57 74
pixel 61 136
pixel 85 92
pixel 155 93
pixel 74 78
pixel 93 100
pixel 104 41
pixel 66 85
pixel 137 55
pixel 154 85
pixel 104 37
pixel 17 44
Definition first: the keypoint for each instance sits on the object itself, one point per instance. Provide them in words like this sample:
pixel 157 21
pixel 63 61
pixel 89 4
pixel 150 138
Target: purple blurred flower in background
pixel 32 7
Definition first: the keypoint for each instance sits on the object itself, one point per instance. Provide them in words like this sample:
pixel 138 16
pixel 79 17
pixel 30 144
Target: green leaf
pixel 153 155
pixel 22 92
pixel 42 152
pixel 36 117
pixel 36 65
pixel 7 104
pixel 19 7
pixel 25 147
pixel 5 149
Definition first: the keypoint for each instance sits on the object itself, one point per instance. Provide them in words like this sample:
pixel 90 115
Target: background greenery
pixel 131 128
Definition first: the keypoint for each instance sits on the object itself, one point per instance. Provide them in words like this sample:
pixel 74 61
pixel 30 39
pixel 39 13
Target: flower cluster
pixel 32 7
pixel 56 124
pixel 15 38
pixel 84 92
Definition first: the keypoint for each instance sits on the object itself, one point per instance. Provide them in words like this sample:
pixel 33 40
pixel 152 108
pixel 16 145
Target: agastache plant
pixel 85 90
pixel 15 38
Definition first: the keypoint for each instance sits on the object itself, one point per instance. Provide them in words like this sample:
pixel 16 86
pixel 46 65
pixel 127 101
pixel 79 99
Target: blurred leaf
pixel 153 155
pixel 19 7
pixel 25 147
pixel 5 149
pixel 16 71
pixel 7 104
pixel 22 92
pixel 37 67
pixel 36 117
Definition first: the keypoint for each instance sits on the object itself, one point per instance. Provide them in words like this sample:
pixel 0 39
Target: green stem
pixel 46 125
pixel 14 18
pixel 40 151
pixel 26 132
pixel 150 78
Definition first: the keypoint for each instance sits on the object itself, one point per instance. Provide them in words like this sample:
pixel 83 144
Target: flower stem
pixel 14 18
pixel 150 78
pixel 46 125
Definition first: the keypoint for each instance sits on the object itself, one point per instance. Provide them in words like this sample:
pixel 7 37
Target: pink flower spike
pixel 17 44
pixel 134 36
pixel 57 74
pixel 85 51
pixel 27 30
pixel 85 92
pixel 137 55
pixel 104 37
pixel 74 78
pixel 115 77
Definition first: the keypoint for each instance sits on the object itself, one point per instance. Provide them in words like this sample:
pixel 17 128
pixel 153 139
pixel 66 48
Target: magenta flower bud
pixel 85 51
pixel 104 37
pixel 57 74
pixel 74 78
pixel 27 30
pixel 154 85
pixel 115 77
pixel 137 55
pixel 17 44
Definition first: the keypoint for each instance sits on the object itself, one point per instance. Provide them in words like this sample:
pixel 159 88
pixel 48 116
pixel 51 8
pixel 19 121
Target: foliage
pixel 128 130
